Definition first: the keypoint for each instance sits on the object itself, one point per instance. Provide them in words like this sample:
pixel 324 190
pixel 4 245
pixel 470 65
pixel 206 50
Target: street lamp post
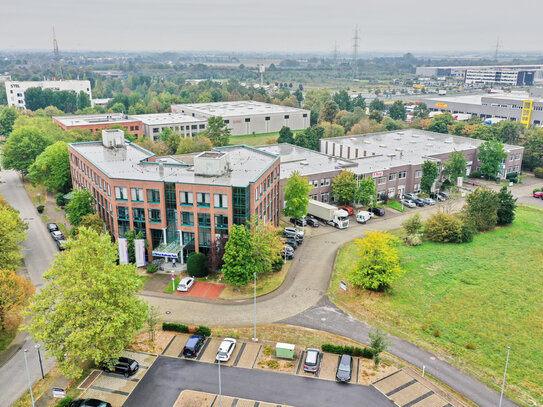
pixel 28 376
pixel 37 346
pixel 254 336
pixel 220 388
pixel 504 374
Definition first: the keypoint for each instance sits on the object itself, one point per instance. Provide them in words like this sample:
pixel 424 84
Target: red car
pixel 348 209
pixel 538 194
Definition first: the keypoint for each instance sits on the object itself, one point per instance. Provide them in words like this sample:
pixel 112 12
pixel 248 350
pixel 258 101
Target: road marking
pixel 122 393
pixel 239 354
pixel 166 348
pixel 203 349
pixel 256 357
pixel 412 403
pixel 400 388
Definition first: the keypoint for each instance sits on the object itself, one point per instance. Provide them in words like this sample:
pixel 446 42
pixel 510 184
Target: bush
pixel 475 174
pixel 268 350
pixel 278 264
pixel 40 208
pixel 152 268
pixel 203 330
pixel 413 225
pixel 447 184
pixel 175 327
pixel 59 198
pixel 65 402
pixel 536 190
pixel 538 172
pixel 413 240
pixel 196 265
pixel 512 175
pixel 348 350
pixel 467 233
pixel 442 227
pixel 272 364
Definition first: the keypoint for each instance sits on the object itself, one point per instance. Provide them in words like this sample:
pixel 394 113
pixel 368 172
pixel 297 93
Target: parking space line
pixel 357 367
pixel 256 357
pixel 239 354
pixel 403 386
pixel 300 362
pixel 166 348
pixel 386 377
pixel 413 402
pixel 202 351
pixel 122 393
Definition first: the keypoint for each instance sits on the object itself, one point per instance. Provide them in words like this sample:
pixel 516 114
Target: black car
pixel 124 366
pixel 419 202
pixel 377 211
pixel 193 346
pixel 344 369
pixel 298 222
pixel 89 403
pixel 292 243
pixel 313 222
pixel 60 244
pixel 51 227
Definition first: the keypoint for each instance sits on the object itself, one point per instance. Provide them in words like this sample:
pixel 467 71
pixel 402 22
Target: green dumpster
pixel 284 350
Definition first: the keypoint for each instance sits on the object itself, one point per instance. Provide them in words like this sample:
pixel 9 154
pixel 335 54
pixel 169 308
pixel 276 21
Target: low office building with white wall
pixel 15 90
pixel 154 124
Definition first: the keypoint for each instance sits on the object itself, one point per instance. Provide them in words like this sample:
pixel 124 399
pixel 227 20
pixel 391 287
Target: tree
pixel 509 132
pixel 12 233
pixel 285 135
pixel 309 138
pixel 376 115
pixel 8 115
pixel 91 221
pixel 441 123
pixel 22 147
pixel 378 262
pixel 506 207
pixel 329 111
pixel 201 143
pixel 344 187
pixel 15 291
pixel 413 225
pixel 378 105
pixel 239 262
pixel 379 343
pixel 343 100
pixel 366 192
pixel 421 111
pixel 491 154
pixel 217 131
pixel 316 98
pixel 397 111
pixel 533 148
pixel 359 101
pixel 130 236
pixel 482 210
pixel 430 172
pixel 52 168
pixel 483 132
pixel 118 108
pixel 196 265
pixel 296 195
pixel 80 205
pixel 89 310
pixel 267 245
pixel 83 100
pixel 332 130
pixel 455 166
pixel 443 227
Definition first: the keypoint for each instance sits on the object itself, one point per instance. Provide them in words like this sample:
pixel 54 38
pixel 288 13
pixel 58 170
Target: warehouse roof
pixel 165 118
pixel 90 119
pixel 238 108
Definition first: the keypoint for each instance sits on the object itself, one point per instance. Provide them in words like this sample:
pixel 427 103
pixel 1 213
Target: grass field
pixel 256 139
pixel 468 300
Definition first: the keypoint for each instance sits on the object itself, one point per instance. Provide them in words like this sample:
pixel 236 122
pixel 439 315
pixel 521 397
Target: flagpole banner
pixel 139 245
pixel 123 251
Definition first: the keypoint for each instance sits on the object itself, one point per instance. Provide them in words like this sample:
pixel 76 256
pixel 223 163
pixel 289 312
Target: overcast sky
pixel 273 25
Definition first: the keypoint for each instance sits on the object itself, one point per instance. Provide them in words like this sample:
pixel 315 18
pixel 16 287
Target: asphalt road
pixel 168 377
pixel 39 251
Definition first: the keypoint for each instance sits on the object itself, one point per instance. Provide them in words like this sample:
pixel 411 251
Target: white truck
pixel 328 213
pixel 442 92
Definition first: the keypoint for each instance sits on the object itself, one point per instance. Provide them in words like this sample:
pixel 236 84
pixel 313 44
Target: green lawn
pixel 6 338
pixel 256 139
pixel 487 293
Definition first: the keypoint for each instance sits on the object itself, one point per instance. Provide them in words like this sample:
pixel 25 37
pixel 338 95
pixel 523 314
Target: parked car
pixel 298 222
pixel 226 348
pixel 376 210
pixel 410 196
pixel 60 244
pixel 289 235
pixel 408 202
pixel 363 216
pixel 185 284
pixel 313 222
pixel 193 346
pixel 418 202
pixel 348 209
pixel 437 197
pixel 312 360
pixel 287 252
pixel 444 194
pixel 51 227
pixel 294 231
pixel 89 403
pixel 57 235
pixel 124 366
pixel 538 194
pixel 292 243
pixel 428 201
pixel 344 368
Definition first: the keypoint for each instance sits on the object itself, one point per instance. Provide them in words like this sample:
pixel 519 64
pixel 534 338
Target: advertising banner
pixel 123 251
pixel 139 245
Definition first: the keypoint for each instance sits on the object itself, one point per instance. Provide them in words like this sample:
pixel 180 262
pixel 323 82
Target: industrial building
pixel 15 90
pixel 154 124
pixel 182 204
pixel 99 122
pixel 524 107
pixel 505 75
pixel 249 117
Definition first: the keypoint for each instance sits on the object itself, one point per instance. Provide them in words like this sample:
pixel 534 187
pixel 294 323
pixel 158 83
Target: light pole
pixel 37 346
pixel 255 339
pixel 504 374
pixel 28 376
pixel 220 388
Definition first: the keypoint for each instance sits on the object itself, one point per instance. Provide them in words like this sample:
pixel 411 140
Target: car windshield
pixel 220 353
pixel 344 365
pixel 133 365
pixel 192 342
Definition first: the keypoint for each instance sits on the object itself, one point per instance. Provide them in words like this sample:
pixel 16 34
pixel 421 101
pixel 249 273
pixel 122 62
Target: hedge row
pixel 202 330
pixel 348 350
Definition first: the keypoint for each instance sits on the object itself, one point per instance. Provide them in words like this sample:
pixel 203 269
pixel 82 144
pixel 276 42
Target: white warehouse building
pixel 15 90
pixel 154 124
pixel 249 117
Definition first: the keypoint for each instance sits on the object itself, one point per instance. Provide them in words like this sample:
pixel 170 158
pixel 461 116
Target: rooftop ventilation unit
pixel 400 133
pixel 367 142
pixel 383 145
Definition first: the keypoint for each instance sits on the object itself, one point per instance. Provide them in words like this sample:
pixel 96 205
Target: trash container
pixel 284 350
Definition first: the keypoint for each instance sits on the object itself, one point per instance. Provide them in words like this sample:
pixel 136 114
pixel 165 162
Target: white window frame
pixel 186 198
pixel 220 201
pixel 418 174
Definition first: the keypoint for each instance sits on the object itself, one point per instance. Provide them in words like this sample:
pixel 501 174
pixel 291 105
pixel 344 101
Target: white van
pixel 363 216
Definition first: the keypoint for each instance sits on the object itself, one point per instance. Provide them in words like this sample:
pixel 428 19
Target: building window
pixel 194 126
pixel 304 115
pixel 416 188
pixel 187 218
pixel 188 237
pixel 121 193
pixel 153 196
pixel 325 197
pixel 511 158
pixel 137 194
pixel 325 182
pixel 185 198
pixel 267 118
pixel 418 174
pixel 382 180
pixel 509 170
pixel 221 200
pixel 221 222
pixel 287 116
pixel 122 213
pixel 516 168
pixel 202 126
pixel 204 237
pixel 517 157
pixel 226 121
pixel 247 120
pixel 156 129
pixel 139 214
pixel 392 176
pixel 402 174
pixel 204 220
pixel 314 183
pixel 154 216
pixel 203 199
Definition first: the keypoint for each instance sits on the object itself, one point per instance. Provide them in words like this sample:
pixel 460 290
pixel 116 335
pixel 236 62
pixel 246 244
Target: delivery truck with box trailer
pixel 328 213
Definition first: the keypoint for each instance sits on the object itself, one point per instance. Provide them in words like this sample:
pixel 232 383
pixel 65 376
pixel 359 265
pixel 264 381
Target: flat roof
pixel 90 119
pixel 130 162
pixel 478 99
pixel 238 108
pixel 166 118
pixel 527 66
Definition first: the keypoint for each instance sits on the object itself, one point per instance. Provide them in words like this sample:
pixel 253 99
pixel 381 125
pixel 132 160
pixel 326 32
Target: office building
pixel 504 75
pixel 98 122
pixel 15 90
pixel 182 204
pixel 249 117
pixel 154 124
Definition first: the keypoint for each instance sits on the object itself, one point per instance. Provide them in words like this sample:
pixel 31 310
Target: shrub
pixel 65 402
pixel 413 240
pixel 442 227
pixel 413 225
pixel 40 208
pixel 536 190
pixel 278 264
pixel 175 327
pixel 59 198
pixel 349 350
pixel 470 346
pixel 272 364
pixel 196 265
pixel 538 172
pixel 152 268
pixel 447 184
pixel 203 330
pixel 268 350
pixel 467 233
pixel 437 334
pixel 475 174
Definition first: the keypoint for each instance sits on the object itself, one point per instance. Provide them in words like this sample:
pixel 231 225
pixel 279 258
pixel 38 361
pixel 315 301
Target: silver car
pixel 226 349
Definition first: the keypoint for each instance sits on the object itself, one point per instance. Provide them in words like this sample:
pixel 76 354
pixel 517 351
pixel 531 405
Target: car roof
pixel 312 355
pixel 186 280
